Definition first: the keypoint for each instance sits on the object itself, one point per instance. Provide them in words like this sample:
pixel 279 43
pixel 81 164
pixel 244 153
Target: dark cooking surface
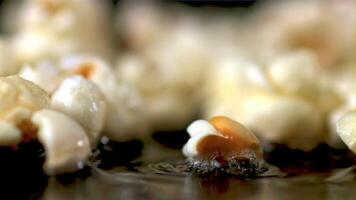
pixel 126 187
pixel 122 171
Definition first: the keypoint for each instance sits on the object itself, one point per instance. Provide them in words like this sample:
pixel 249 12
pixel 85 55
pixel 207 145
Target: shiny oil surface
pixel 130 170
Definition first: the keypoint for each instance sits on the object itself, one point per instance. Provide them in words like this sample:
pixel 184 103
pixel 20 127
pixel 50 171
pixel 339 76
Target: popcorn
pixel 164 86
pixel 9 134
pixel 141 24
pixel 18 100
pixel 282 28
pixel 7 63
pixel 83 101
pixel 51 29
pixel 336 115
pixel 346 127
pixel 223 137
pixel 124 106
pixel 65 141
pixel 17 93
pixel 223 145
pixel 342 80
pixel 169 61
pixel 282 120
pixel 295 74
pixel 283 103
pixel 25 115
pixel 173 70
pixel 45 74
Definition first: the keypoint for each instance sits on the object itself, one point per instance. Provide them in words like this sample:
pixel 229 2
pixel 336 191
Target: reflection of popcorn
pixel 26 114
pixel 50 29
pixel 286 105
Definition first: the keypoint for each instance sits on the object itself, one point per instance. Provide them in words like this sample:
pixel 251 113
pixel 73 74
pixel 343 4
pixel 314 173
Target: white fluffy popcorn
pixel 199 127
pixel 334 139
pixel 234 82
pixel 295 43
pixel 18 100
pixel 51 29
pixel 164 86
pixel 197 130
pixel 134 96
pixel 33 45
pixel 45 74
pixel 17 93
pixel 284 103
pixel 95 70
pixel 343 80
pixel 237 77
pixel 25 116
pixel 161 82
pixel 282 27
pixel 7 62
pixel 83 101
pixel 65 141
pixel 9 134
pixel 169 62
pixel 346 128
pixel 124 106
pixel 294 73
pixel 298 74
pixel 295 123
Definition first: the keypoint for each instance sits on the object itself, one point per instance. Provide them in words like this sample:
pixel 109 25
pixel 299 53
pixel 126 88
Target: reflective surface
pixel 140 179
pixel 127 171
pixel 133 186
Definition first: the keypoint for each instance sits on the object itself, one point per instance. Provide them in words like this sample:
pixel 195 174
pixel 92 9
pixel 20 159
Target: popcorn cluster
pixel 283 103
pixel 27 114
pixel 71 74
pixel 124 107
pixel 52 28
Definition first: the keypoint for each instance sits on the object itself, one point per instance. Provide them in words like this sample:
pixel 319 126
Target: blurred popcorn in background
pixel 285 69
pixel 55 28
